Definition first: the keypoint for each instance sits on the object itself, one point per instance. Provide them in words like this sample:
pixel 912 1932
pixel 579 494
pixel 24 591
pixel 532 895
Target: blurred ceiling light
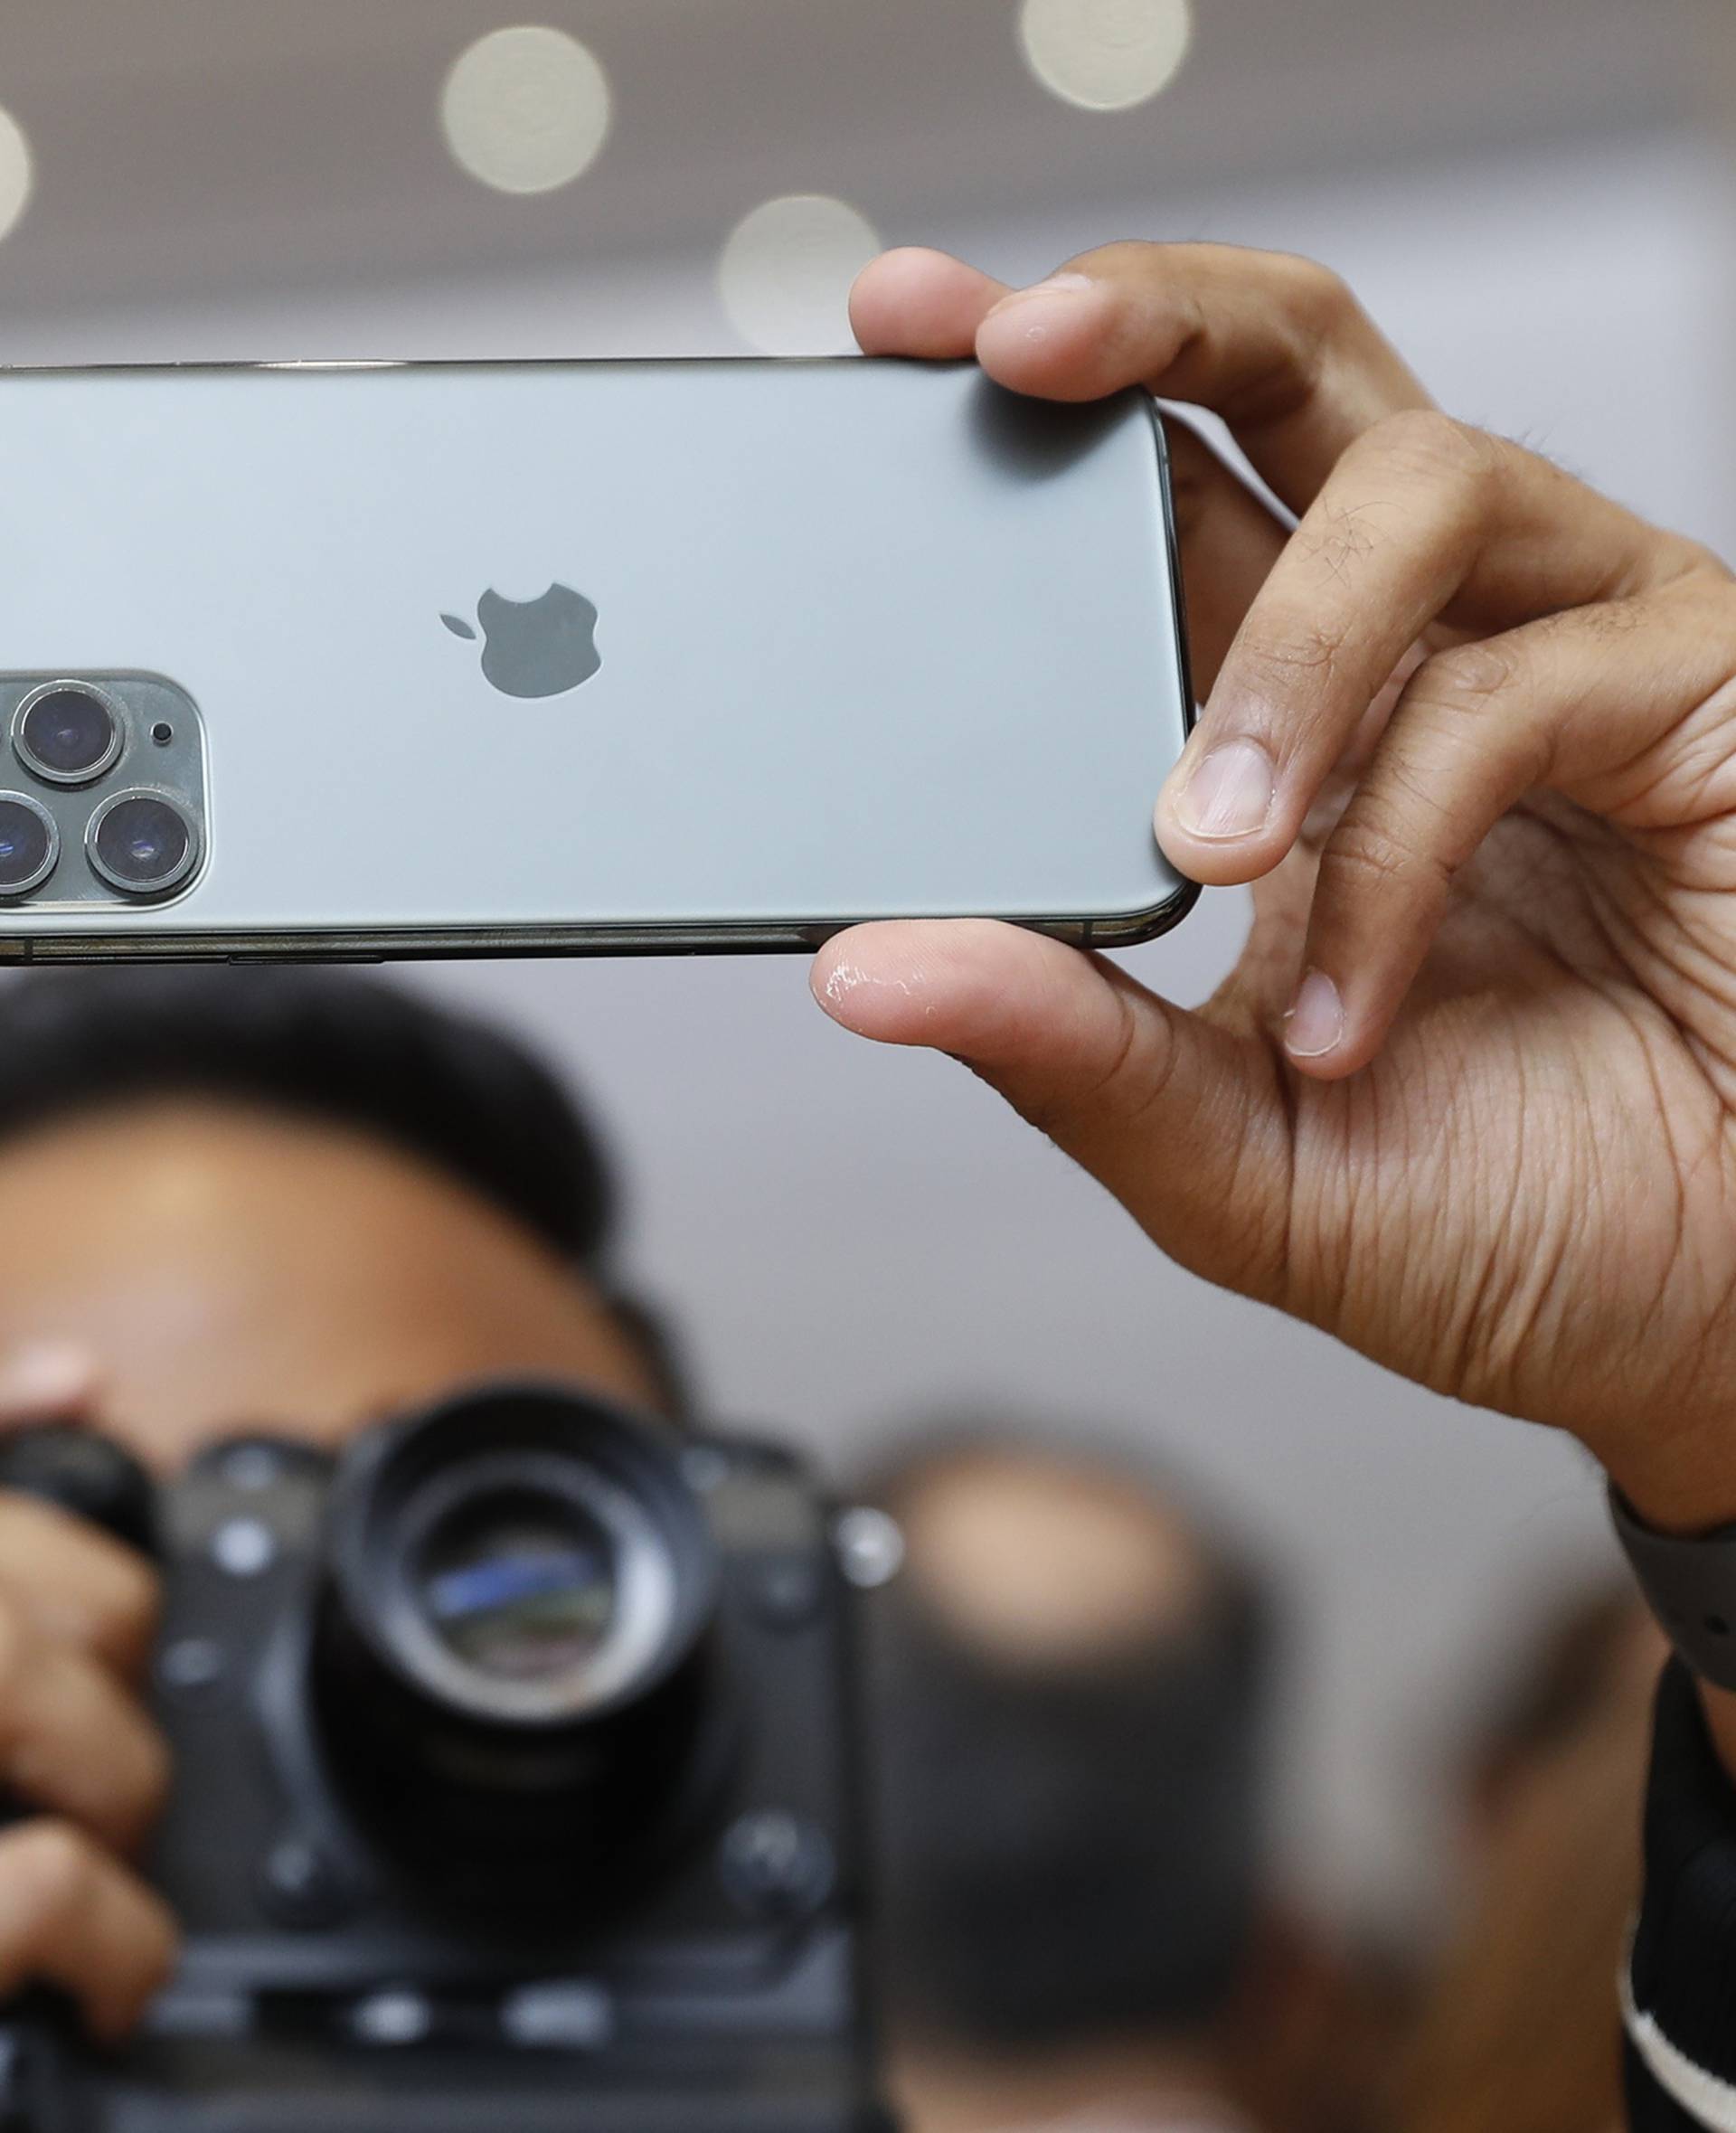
pixel 526 109
pixel 1105 55
pixel 15 176
pixel 786 269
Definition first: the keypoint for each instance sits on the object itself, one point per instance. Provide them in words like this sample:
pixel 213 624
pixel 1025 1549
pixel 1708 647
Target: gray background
pixel 1532 198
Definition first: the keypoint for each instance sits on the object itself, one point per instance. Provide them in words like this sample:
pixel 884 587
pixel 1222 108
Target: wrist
pixel 1684 1556
pixel 1676 1488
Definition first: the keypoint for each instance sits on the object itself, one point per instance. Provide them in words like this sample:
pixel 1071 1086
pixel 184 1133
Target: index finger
pixel 1277 346
pixel 77 1583
pixel 73 1581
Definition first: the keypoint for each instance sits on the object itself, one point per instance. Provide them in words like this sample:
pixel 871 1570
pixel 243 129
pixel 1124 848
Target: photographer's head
pixel 295 1200
pixel 1070 1684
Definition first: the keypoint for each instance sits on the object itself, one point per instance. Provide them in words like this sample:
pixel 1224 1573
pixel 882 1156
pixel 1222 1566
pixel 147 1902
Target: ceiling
pixel 206 148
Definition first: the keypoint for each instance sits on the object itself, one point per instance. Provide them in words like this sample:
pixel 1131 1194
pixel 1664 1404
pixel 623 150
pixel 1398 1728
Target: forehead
pixel 228 1267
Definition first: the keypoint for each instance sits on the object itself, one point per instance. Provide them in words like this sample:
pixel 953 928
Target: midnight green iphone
pixel 317 660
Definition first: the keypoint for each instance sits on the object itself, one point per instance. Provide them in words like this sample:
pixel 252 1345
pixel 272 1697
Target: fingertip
pixel 1321 1038
pixel 47 1380
pixel 871 980
pixel 1335 1066
pixel 899 266
pixel 1048 340
pixel 1219 816
pixel 951 984
pixel 1212 863
pixel 916 301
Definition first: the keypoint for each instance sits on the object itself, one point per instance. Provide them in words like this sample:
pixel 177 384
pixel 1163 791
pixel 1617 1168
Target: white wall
pixel 850 1236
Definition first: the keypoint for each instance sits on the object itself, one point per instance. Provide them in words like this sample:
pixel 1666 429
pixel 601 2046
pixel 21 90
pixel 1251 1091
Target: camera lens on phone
pixel 141 844
pixel 29 844
pixel 67 733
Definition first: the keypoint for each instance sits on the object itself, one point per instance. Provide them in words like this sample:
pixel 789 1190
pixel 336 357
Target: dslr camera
pixel 514 1787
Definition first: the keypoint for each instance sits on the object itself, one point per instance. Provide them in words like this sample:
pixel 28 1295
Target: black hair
pixel 355 1051
pixel 1067 1854
pixel 324 1044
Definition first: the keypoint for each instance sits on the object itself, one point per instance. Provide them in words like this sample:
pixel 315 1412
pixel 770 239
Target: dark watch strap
pixel 1690 1585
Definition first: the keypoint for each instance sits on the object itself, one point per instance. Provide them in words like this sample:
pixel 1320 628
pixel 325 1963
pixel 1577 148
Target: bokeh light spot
pixel 786 272
pixel 1105 55
pixel 526 109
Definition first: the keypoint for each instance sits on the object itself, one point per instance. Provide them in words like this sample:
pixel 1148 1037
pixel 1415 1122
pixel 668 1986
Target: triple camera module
pixel 101 789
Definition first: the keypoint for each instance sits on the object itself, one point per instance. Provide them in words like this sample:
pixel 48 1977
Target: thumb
pixel 1182 1120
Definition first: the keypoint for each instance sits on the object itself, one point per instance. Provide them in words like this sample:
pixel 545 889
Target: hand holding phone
pixel 1465 1099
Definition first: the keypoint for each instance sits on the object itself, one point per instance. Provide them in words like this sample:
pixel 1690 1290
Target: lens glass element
pixel 520 1586
pixel 26 846
pixel 141 844
pixel 68 735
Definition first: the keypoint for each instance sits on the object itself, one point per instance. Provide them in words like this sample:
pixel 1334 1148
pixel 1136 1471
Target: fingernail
pixel 1229 794
pixel 1316 1022
pixel 48 1375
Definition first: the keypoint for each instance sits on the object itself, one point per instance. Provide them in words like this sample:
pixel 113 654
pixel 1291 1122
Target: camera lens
pixel 512 1659
pixel 67 733
pixel 29 844
pixel 141 844
pixel 520 1588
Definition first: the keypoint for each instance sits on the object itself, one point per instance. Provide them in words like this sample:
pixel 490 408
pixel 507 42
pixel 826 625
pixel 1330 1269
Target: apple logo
pixel 535 647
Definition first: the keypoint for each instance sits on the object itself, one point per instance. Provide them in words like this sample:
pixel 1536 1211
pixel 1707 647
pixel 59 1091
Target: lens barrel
pixel 67 732
pixel 509 1654
pixel 30 845
pixel 142 844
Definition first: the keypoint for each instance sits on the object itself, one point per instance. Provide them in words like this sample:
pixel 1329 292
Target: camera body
pixel 479 1817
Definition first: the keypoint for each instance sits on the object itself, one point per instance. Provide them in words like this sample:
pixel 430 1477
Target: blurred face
pixel 1035 1560
pixel 230 1270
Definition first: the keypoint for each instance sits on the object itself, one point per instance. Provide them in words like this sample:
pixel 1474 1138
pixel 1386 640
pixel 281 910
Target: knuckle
pixel 51 1867
pixel 1691 563
pixel 1301 650
pixel 1707 562
pixel 1124 1084
pixel 1315 294
pixel 1339 536
pixel 1368 854
pixel 1466 678
pixel 1433 447
pixel 1701 601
